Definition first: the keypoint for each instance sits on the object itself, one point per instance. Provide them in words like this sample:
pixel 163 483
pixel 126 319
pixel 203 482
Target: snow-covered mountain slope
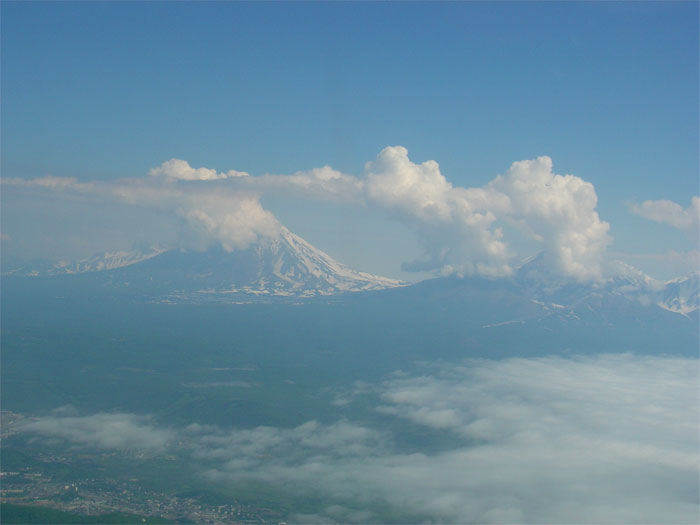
pixel 533 309
pixel 109 260
pixel 285 266
pixel 106 261
pixel 292 264
pixel 681 295
pixel 678 295
pixel 506 315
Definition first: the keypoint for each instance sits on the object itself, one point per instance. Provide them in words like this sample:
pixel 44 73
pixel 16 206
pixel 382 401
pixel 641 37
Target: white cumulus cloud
pixel 673 214
pixel 461 228
pixel 559 210
pixel 455 225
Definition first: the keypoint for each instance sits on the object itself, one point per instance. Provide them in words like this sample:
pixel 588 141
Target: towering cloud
pixel 460 229
pixel 455 225
pixel 559 211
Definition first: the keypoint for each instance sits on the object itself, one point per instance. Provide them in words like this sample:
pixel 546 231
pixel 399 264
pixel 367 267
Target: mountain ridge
pixel 284 266
pixel 289 266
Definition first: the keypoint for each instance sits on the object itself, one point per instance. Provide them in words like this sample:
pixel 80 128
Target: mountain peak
pixel 283 266
pixel 289 265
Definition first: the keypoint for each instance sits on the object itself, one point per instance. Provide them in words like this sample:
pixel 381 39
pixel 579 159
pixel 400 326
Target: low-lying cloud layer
pixel 103 431
pixel 461 230
pixel 600 439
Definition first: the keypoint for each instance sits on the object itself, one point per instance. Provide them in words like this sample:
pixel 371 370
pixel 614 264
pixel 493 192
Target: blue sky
pixel 609 91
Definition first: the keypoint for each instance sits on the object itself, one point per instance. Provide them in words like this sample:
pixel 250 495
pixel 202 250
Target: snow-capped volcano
pixel 284 266
pixel 106 261
pixel 681 295
pixel 287 265
pixel 677 295
pixel 109 260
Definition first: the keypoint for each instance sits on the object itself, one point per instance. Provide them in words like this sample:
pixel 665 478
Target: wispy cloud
pixel 673 214
pixel 50 182
pixel 211 212
pixel 674 262
pixel 181 170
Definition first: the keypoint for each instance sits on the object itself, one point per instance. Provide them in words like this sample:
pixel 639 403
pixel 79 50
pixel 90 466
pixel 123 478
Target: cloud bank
pixel 605 439
pixel 598 439
pixel 461 230
pixel 103 431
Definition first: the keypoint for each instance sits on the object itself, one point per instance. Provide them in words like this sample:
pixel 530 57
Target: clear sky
pixel 102 91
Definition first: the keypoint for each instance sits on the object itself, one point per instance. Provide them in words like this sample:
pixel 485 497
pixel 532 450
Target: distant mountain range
pixel 291 267
pixel 681 294
pixel 534 309
pixel 534 312
pixel 286 266
pixel 110 260
pixel 678 295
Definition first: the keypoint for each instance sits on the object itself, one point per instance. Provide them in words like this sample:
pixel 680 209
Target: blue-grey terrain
pixel 275 383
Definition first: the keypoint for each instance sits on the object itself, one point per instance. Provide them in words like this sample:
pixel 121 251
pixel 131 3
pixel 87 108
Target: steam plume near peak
pixel 463 230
